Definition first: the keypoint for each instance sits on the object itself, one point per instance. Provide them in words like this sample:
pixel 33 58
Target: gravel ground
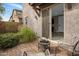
pixel 32 49
pixel 57 50
pixel 19 49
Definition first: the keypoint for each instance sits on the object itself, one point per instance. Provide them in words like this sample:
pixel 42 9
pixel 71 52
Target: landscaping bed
pixel 19 49
pixel 32 49
pixel 24 35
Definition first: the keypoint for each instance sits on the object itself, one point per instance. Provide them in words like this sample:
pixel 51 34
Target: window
pixel 26 19
pixel 36 18
pixel 13 20
pixel 20 21
pixel 69 6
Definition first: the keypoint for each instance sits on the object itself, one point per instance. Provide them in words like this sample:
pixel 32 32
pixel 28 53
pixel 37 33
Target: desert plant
pixel 8 40
pixel 27 35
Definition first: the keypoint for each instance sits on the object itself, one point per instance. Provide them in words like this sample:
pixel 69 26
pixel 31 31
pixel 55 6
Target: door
pixel 45 23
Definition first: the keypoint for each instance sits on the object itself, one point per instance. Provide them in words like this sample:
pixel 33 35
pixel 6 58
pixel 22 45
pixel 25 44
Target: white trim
pixel 49 10
pixel 41 23
pixel 50 25
pixel 64 21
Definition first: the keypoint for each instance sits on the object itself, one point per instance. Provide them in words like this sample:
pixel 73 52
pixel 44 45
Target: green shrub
pixel 8 40
pixel 27 35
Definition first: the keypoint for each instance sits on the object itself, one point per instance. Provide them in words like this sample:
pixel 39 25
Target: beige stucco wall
pixel 29 13
pixel 71 24
pixel 32 22
pixel 15 17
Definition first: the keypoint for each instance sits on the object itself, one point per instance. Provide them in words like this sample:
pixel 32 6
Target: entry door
pixel 45 23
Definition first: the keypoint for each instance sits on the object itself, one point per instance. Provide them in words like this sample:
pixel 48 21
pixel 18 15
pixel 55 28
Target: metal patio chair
pixel 76 49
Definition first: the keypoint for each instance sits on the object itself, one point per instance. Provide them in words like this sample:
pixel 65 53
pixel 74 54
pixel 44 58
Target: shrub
pixel 27 35
pixel 8 40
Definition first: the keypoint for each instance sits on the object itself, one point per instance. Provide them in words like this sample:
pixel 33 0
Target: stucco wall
pixel 32 22
pixel 14 17
pixel 71 24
